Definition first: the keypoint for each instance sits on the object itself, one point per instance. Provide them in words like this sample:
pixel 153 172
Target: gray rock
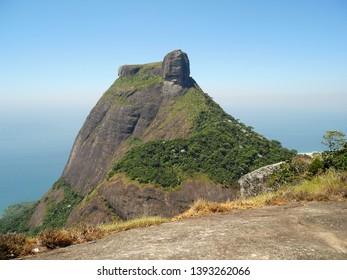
pixel 255 182
pixel 176 68
pixel 128 70
pixel 312 231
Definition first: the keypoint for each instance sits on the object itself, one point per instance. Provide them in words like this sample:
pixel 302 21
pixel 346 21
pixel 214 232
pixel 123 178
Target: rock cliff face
pixel 152 102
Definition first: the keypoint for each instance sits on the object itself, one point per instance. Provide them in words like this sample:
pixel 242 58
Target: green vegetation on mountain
pixel 57 213
pixel 218 146
pixel 144 78
pixel 16 217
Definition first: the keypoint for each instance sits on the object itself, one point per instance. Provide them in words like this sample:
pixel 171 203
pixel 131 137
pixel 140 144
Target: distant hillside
pixel 153 144
pixel 15 217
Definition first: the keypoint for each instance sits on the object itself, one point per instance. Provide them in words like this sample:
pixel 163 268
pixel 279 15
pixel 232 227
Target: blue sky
pixel 245 54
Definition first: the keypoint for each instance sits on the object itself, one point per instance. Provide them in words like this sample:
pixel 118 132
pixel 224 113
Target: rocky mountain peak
pixel 176 68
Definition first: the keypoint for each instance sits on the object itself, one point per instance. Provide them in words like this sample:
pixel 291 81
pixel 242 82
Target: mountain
pixel 153 144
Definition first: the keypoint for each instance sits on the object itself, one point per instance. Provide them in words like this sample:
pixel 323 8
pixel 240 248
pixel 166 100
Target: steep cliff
pixel 153 144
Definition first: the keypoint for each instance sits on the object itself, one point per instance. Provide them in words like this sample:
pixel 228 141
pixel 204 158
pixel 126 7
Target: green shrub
pixel 316 166
pixel 292 171
pixel 339 159
pixel 336 159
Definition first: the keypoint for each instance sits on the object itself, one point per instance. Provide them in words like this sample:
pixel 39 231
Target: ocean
pixel 35 144
pixel 34 148
pixel 300 129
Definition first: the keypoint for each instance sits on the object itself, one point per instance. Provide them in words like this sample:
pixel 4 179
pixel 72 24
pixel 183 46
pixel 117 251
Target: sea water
pixel 35 144
pixel 300 129
pixel 34 148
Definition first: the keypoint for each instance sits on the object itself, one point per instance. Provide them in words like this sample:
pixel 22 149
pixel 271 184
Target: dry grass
pixel 13 245
pixel 56 238
pixel 204 208
pixel 135 223
pixel 327 187
pixel 85 233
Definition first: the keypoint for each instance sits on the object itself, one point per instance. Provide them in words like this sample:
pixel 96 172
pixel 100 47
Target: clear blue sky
pixel 243 53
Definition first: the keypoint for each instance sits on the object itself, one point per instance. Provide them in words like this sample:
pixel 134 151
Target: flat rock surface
pixel 310 230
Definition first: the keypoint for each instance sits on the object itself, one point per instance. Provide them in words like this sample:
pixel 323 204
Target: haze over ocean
pixel 34 149
pixel 279 66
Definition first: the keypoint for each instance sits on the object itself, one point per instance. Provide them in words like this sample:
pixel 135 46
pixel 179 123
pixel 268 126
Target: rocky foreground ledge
pixel 314 230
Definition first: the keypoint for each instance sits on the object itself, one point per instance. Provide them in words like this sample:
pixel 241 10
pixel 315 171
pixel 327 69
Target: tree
pixel 335 140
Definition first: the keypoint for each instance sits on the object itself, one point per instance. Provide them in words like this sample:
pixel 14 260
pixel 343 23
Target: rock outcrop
pixel 176 68
pixel 128 70
pixel 256 182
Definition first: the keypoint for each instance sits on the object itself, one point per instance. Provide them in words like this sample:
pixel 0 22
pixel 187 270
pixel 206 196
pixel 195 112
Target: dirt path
pixel 315 230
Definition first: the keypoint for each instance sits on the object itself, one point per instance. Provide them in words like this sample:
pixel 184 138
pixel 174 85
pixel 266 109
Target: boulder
pixel 176 68
pixel 255 182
